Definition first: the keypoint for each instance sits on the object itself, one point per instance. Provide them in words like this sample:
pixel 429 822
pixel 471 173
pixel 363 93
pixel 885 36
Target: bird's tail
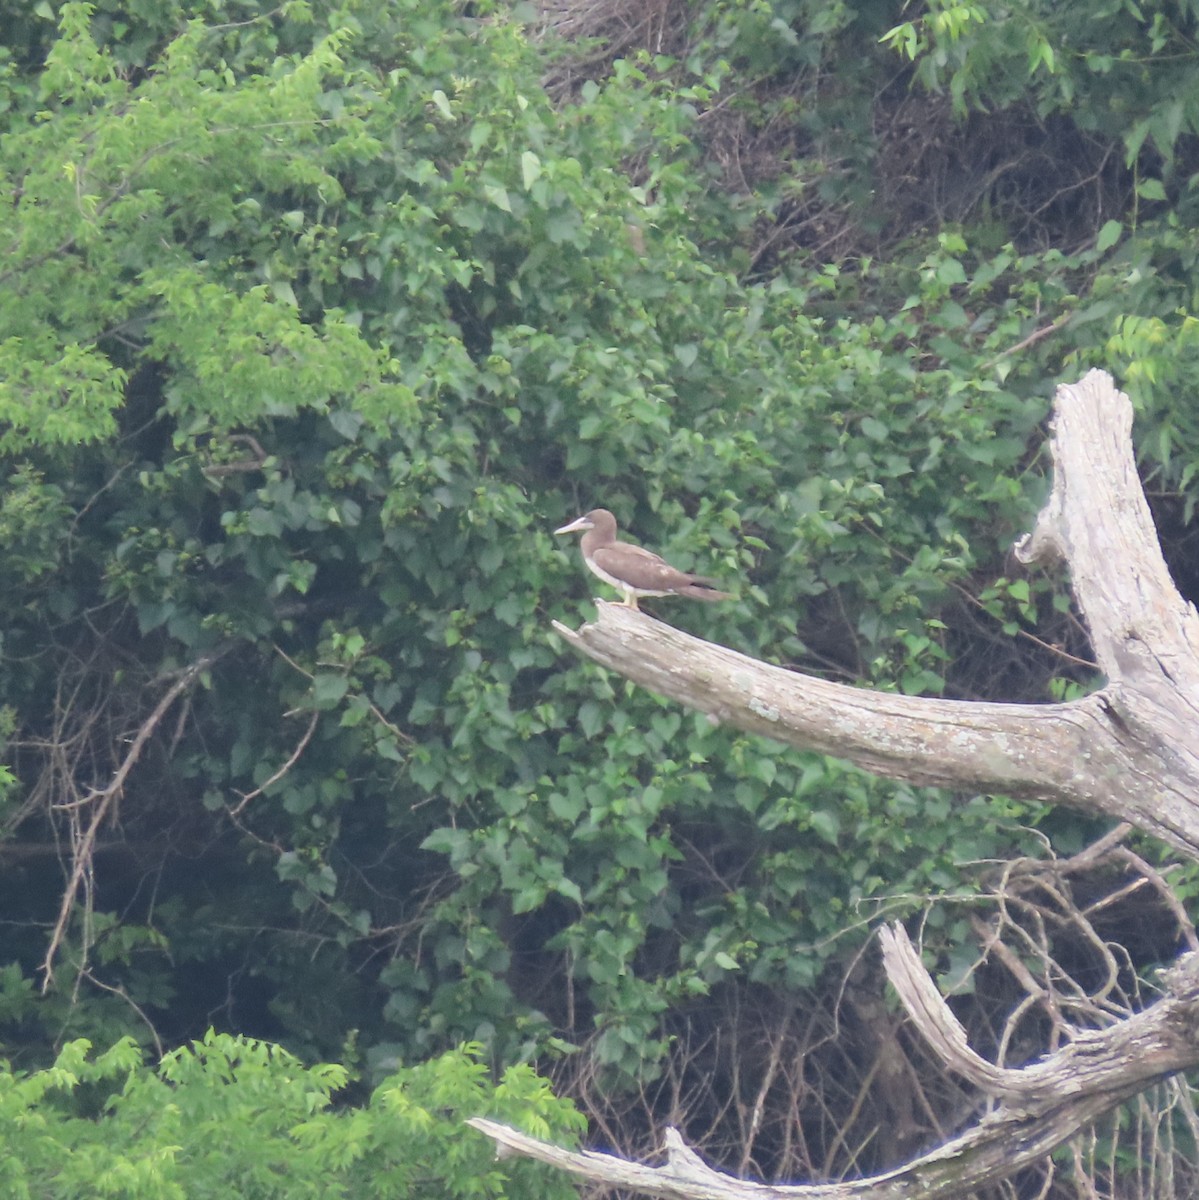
pixel 703 589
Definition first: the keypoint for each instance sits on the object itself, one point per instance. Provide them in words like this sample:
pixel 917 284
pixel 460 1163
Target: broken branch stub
pixel 1098 521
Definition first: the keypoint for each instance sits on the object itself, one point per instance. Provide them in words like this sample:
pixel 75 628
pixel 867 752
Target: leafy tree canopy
pixel 229 1114
pixel 315 322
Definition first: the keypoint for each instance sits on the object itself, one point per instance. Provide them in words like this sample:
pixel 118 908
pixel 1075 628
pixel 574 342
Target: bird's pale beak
pixel 575 526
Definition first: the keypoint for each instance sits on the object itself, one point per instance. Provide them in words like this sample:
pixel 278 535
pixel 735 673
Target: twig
pixel 124 995
pixel 301 746
pixel 102 801
pixel 1032 339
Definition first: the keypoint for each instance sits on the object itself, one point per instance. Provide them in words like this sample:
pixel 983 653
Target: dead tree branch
pixel 1042 1106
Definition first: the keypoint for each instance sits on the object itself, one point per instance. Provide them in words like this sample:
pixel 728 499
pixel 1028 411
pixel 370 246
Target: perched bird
pixel 632 570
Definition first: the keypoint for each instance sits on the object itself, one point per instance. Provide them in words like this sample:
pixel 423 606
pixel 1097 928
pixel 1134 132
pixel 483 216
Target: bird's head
pixel 598 518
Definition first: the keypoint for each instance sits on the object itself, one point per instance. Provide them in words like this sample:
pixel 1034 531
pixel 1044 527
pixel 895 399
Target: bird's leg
pixel 630 600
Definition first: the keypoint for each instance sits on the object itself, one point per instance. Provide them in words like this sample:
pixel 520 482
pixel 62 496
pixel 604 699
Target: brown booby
pixel 632 570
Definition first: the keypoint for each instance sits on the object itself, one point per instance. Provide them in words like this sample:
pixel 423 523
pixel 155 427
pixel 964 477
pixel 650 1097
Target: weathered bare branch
pixel 925 741
pixel 1125 1057
pixel 1043 1104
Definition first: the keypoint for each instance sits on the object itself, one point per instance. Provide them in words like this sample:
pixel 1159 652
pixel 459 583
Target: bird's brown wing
pixel 641 569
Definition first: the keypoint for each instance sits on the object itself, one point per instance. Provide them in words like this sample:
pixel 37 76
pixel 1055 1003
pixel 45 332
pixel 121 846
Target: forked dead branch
pixel 1127 751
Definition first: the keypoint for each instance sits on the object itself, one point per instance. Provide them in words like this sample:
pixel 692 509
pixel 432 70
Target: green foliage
pixel 315 323
pixel 374 338
pixel 118 238
pixel 234 1116
pixel 1105 64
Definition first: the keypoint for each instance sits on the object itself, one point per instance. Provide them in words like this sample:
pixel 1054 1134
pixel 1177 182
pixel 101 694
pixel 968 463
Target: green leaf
pixel 826 824
pixel 530 168
pixel 498 196
pixel 1109 235
pixel 329 689
pixel 591 718
pixel 566 808
pixel 569 889
pixel 446 840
